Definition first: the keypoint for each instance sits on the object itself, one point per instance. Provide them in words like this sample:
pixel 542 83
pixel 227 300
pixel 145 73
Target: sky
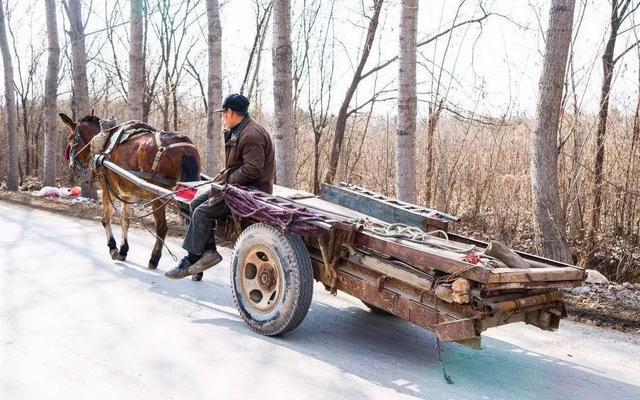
pixel 492 69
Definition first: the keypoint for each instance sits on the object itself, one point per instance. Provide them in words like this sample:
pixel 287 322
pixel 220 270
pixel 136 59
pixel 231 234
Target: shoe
pixel 181 271
pixel 208 260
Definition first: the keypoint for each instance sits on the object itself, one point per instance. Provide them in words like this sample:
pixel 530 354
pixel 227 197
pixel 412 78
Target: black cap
pixel 235 102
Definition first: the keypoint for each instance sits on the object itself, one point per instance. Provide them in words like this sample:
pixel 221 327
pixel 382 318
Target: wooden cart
pixel 272 272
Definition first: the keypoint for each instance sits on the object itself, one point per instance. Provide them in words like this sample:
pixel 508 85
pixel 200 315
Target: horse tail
pixel 190 171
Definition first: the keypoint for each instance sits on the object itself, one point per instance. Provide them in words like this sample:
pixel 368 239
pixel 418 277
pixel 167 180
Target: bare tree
pixel 282 94
pixel 78 58
pixel 51 96
pixel 12 165
pixel 79 75
pixel 360 75
pixel 27 63
pixel 214 92
pixel 319 100
pixel 341 120
pixel 620 10
pixel 544 151
pixel 136 61
pixel 176 42
pixel 407 103
pixel 250 82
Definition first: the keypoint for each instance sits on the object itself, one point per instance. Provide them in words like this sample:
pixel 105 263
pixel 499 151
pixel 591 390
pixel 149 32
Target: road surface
pixel 76 325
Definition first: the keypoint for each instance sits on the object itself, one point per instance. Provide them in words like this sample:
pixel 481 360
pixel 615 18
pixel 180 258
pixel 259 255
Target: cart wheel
pixel 272 279
pixel 197 277
pixel 377 310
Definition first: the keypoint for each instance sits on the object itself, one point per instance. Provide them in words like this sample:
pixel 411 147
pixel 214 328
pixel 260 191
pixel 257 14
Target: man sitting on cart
pixel 249 161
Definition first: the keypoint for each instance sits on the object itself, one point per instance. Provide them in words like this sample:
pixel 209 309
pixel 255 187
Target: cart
pixel 348 240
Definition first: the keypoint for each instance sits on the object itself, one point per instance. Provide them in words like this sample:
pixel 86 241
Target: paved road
pixel 76 325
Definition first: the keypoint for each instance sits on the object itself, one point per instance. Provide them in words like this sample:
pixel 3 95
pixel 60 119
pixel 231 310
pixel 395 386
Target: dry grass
pixel 488 181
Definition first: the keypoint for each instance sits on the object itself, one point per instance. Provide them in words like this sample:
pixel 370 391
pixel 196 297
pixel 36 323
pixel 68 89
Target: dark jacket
pixel 249 156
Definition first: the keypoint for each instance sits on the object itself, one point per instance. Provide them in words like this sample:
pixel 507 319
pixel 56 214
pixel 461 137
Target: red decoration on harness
pixel 472 258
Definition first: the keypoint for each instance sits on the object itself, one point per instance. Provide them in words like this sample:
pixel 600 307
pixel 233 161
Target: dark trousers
pixel 200 233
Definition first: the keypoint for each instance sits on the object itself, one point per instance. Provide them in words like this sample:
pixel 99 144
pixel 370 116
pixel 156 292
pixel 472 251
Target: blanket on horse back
pixel 108 139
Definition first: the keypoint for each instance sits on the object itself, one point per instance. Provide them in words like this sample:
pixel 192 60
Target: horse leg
pixel 124 223
pixel 159 214
pixel 107 211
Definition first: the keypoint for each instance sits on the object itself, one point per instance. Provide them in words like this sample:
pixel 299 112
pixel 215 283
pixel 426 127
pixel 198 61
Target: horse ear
pixel 67 121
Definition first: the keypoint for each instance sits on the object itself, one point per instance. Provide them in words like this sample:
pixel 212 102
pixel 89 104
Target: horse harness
pixel 128 130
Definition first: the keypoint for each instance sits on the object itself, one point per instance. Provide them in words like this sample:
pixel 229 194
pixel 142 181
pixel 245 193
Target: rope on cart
pixel 417 235
pixel 444 279
pixel 413 234
pixel 244 205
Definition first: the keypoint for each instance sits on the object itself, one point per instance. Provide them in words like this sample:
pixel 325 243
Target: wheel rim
pixel 261 278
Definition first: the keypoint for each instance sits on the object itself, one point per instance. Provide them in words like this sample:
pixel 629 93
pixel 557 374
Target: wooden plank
pixel 502 275
pixel 291 194
pixel 534 260
pixel 396 270
pixel 420 258
pixel 380 208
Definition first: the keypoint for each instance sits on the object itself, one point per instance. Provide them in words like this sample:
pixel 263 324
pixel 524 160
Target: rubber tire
pixel 377 311
pixel 296 272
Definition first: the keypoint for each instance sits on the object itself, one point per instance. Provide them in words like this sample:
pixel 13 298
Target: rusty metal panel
pixel 523 302
pixel 531 285
pixel 452 331
pixel 386 209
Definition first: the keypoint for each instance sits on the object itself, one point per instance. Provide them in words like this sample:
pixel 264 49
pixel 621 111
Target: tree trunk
pixel 51 97
pixel 282 94
pixel 407 104
pixel 136 62
pixel 28 145
pixel 174 100
pixel 442 182
pixel 628 203
pixel 214 88
pixel 605 90
pixel 317 135
pixel 12 112
pixel 341 120
pixel 432 123
pixel 79 77
pixel 544 153
pixel 78 59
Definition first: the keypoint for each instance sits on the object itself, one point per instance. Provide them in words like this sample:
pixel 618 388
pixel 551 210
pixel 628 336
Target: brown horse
pixel 178 160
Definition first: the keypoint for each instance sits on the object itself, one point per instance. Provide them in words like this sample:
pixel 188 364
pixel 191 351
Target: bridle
pixel 74 141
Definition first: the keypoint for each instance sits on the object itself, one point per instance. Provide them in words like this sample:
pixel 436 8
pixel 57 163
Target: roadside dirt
pixel 609 305
pixel 91 210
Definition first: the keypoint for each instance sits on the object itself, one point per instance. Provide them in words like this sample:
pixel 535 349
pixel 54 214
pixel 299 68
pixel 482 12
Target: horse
pixel 162 157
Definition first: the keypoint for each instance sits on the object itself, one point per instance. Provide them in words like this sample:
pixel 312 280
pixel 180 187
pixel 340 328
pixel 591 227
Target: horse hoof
pixel 154 260
pixel 120 257
pixel 114 254
pixel 197 277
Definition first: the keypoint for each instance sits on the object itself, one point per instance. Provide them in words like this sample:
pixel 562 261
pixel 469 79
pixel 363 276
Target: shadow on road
pixel 386 351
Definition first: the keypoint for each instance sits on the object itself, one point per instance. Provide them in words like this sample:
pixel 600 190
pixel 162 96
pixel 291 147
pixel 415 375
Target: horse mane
pixel 91 119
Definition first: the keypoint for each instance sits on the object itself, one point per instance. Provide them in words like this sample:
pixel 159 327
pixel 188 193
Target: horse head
pixel 79 135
